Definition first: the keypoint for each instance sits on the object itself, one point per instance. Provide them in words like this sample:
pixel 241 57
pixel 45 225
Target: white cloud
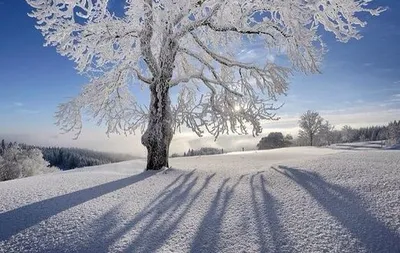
pixel 19 104
pixel 253 55
pixel 270 58
pixel 27 111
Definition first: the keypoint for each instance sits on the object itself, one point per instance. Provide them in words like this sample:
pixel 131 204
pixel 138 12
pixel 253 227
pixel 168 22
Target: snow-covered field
pixel 360 145
pixel 284 200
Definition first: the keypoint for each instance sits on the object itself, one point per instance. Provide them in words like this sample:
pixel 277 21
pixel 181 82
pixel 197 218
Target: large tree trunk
pixel 158 135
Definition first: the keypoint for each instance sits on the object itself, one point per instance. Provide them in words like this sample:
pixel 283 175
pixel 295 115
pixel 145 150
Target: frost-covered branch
pixel 108 100
pixel 146 36
pixel 220 112
pixel 217 80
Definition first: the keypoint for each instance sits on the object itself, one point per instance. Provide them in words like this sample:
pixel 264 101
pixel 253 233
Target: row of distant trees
pixel 21 160
pixel 316 131
pixel 71 158
pixel 201 151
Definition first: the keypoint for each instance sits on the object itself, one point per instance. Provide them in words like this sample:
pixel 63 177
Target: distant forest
pixel 71 158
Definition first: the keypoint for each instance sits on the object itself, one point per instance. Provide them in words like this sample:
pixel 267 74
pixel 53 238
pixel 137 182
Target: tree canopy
pixel 196 41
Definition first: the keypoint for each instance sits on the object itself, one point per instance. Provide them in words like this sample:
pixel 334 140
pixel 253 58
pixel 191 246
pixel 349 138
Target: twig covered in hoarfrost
pixel 190 44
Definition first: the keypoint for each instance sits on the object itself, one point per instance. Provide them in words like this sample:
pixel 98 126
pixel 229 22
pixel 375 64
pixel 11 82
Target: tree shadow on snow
pixel 347 208
pixel 272 237
pixel 154 226
pixel 14 221
pixel 149 229
pixel 208 233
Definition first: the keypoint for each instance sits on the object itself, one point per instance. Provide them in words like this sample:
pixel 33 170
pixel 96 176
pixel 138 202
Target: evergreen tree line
pixel 71 158
pixel 390 132
pixel 201 151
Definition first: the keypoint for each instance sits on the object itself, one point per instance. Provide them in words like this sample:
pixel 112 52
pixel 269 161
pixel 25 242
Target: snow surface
pixel 368 145
pixel 365 145
pixel 284 200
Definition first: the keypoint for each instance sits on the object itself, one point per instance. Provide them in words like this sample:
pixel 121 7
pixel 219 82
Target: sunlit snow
pixel 284 200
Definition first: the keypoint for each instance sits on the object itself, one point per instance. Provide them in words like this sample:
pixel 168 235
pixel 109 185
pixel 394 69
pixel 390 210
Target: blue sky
pixel 360 83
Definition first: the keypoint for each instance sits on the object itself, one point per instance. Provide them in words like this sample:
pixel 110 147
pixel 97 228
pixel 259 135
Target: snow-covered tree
pixel 325 134
pixel 348 133
pixel 191 44
pixel 310 123
pixel 394 131
pixel 16 162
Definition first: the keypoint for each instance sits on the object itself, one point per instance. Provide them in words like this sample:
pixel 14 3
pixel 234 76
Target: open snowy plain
pixel 284 200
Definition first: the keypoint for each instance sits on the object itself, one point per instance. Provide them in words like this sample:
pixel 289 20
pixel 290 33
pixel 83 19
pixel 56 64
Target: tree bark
pixel 158 135
pixel 157 138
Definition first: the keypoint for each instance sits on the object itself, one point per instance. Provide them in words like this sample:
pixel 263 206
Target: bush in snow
pixel 274 140
pixel 16 162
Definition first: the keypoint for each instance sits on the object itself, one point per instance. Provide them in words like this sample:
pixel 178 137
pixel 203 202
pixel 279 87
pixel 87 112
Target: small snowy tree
pixel 310 124
pixel 191 44
pixel 394 131
pixel 16 162
pixel 325 134
pixel 348 133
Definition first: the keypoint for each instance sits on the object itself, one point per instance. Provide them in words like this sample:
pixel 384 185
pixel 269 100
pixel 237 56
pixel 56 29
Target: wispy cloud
pixel 27 111
pixel 252 54
pixel 19 104
pixel 395 99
